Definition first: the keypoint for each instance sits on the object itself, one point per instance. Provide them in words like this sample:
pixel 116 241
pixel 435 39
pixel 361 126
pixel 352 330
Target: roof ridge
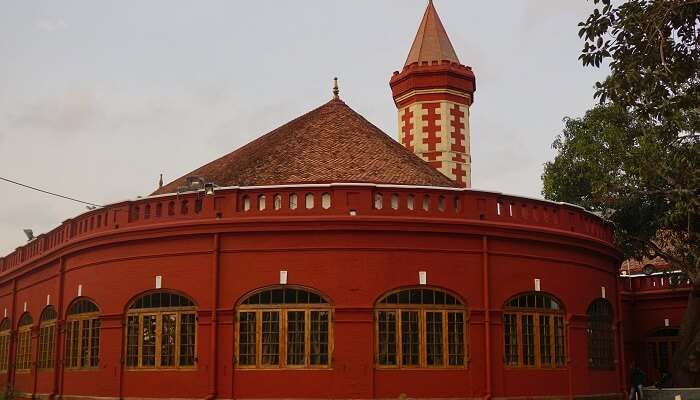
pixel 332 142
pixel 421 29
pixel 280 128
pixel 391 142
pixel 262 138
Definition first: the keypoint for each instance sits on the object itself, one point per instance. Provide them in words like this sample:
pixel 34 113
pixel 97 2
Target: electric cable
pixel 51 193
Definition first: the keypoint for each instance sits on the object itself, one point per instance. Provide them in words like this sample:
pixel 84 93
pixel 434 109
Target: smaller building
pixel 654 301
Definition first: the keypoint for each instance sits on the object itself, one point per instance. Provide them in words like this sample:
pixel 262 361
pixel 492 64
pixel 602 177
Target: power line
pixel 47 192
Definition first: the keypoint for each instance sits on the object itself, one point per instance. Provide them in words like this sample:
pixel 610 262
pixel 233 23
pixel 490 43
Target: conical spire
pixel 431 42
pixel 434 86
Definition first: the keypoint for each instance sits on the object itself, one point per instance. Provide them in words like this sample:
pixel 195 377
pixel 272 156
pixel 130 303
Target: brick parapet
pixel 398 202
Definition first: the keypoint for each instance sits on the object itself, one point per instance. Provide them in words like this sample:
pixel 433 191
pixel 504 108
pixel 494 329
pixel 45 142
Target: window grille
pixel 420 328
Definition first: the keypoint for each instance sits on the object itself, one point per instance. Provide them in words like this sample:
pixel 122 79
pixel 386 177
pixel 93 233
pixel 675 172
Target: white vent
pixel 422 277
pixel 283 277
pixel 538 286
pixel 159 281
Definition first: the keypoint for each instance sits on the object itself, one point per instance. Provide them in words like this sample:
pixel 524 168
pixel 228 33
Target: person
pixel 637 379
pixel 664 381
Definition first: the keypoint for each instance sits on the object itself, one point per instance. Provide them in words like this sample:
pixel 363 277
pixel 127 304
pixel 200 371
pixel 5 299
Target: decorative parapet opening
pixel 339 200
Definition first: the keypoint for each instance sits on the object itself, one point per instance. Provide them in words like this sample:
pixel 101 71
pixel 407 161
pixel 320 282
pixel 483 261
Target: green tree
pixel 635 158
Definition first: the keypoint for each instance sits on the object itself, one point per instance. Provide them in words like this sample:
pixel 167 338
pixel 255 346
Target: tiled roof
pixel 431 42
pixel 332 143
pixel 632 266
pixel 663 239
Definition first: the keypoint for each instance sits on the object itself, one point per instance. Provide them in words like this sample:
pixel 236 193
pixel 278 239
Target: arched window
pixel 420 328
pixel 83 334
pixel 284 327
pixel 309 201
pixel 4 344
pixel 277 201
pixel 600 335
pixel 23 358
pixel 326 201
pixel 426 203
pixel 378 201
pixel 442 203
pixel 533 331
pixel 184 207
pixel 47 338
pixel 161 331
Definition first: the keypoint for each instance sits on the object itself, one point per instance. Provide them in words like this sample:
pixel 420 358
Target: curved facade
pixel 324 260
pixel 236 289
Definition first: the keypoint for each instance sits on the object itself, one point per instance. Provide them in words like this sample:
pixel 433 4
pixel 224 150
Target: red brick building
pixel 325 260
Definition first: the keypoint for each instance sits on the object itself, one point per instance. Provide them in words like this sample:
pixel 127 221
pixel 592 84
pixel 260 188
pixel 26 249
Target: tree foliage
pixel 637 175
pixel 653 50
pixel 635 158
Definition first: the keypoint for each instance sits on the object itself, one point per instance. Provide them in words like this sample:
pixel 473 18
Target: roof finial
pixel 336 91
pixel 160 181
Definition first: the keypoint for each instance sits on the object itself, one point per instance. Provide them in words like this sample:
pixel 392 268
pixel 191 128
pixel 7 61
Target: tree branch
pixel 673 260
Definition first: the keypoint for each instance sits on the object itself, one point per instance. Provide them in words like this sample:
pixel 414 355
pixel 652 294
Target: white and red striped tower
pixel 433 94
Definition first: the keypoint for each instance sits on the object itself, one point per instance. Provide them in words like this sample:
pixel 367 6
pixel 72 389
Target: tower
pixel 433 94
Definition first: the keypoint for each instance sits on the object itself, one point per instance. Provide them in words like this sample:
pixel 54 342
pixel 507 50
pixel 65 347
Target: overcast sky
pixel 98 98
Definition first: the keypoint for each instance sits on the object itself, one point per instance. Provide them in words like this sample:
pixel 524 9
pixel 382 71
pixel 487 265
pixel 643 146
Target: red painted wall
pixel 647 302
pixel 351 261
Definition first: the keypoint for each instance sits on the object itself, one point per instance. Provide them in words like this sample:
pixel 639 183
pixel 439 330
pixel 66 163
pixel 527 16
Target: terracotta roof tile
pixel 332 143
pixel 431 42
pixel 633 266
